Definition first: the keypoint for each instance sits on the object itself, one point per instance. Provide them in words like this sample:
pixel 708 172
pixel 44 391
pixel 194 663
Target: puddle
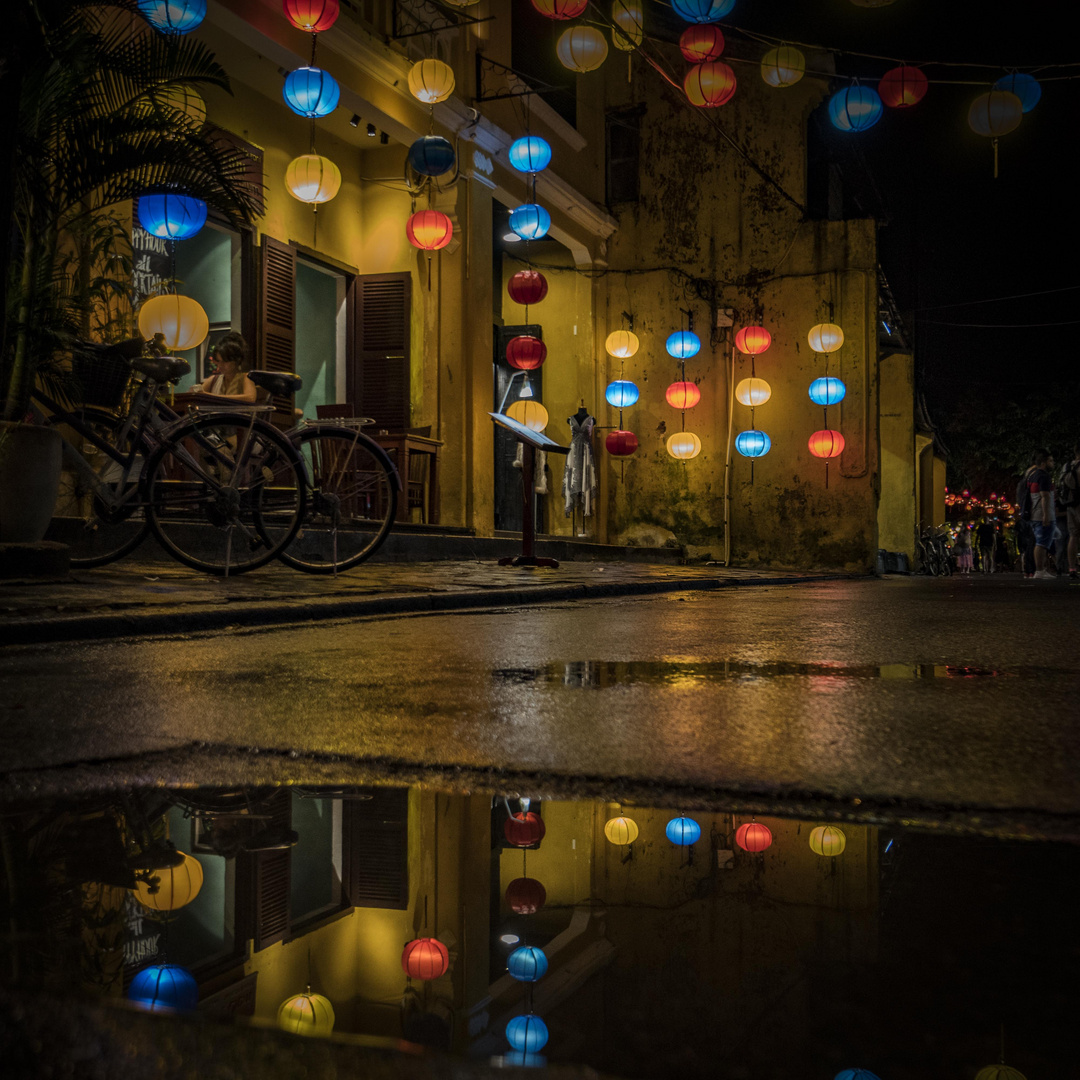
pixel 640 942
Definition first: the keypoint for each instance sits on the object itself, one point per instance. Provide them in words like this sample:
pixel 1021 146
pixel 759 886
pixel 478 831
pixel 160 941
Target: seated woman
pixel 230 380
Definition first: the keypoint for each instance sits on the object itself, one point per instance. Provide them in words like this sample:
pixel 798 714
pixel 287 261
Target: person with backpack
pixel 1069 494
pixel 1040 509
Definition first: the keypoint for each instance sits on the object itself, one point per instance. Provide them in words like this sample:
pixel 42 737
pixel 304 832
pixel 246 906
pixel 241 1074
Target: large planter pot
pixel 29 478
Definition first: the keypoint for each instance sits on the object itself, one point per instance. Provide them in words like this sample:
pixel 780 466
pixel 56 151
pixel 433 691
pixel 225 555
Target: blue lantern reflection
pixel 1026 88
pixel 527 1033
pixel 753 444
pixel 171 216
pixel 683 344
pixel 530 221
pixel 431 155
pixel 683 831
pixel 173 16
pixel 855 1074
pixel 164 986
pixel 702 11
pixel 527 964
pixel 855 109
pixel 827 391
pixel 311 92
pixel 530 154
pixel 621 393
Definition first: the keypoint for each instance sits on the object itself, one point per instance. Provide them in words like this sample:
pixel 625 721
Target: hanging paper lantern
pixel 709 85
pixel 702 11
pixel 181 320
pixel 429 230
pixel 997 112
pixel 311 92
pixel 530 221
pixel 525 352
pixel 530 154
pixel 621 831
pixel 783 66
pixel 855 108
pixel 527 1033
pixel 527 964
pixel 183 105
pixel 431 155
pixel 1026 88
pixel 425 958
pixel 526 896
pixel 753 392
pixel 314 16
pixel 535 417
pixel 306 1014
pixel 560 9
pixel 683 445
pixel 753 340
pixel 826 444
pixel 431 81
pixel 683 831
pixel 753 837
pixel 621 443
pixel 621 393
pixel 901 87
pixel 170 216
pixel 825 337
pixel 827 391
pixel 682 395
pixel 855 1074
pixel 527 287
pixel 312 179
pixel 581 48
pixel 999 1072
pixel 629 17
pixel 164 987
pixel 827 840
pixel 701 43
pixel 753 443
pixel 683 344
pixel 173 16
pixel 525 828
pixel 173 887
pixel 622 344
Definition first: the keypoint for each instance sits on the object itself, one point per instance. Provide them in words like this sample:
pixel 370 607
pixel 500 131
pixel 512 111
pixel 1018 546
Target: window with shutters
pixel 378 376
pixel 623 146
pixel 377 842
pixel 277 323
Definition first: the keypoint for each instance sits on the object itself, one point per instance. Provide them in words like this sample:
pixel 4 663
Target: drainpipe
pixel 727 463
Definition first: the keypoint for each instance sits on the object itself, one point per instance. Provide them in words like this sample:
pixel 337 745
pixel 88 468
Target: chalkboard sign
pixel 151 262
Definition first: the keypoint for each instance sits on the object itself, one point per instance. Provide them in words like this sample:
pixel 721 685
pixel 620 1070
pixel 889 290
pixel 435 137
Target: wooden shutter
pixel 272 879
pixel 379 372
pixel 375 837
pixel 277 319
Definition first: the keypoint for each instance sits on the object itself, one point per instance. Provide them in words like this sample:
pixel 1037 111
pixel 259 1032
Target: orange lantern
pixel 683 445
pixel 524 829
pixel 701 43
pixel 709 85
pixel 526 896
pixel 753 340
pixel 826 444
pixel 753 837
pixel 620 443
pixel 429 230
pixel 901 87
pixel 682 395
pixel 560 9
pixel 314 16
pixel 425 958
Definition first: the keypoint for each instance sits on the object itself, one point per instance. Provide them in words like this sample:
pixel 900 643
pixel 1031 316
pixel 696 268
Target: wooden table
pixel 401 446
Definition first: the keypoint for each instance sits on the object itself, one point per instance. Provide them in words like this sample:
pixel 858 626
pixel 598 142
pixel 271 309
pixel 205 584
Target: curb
pixel 188 620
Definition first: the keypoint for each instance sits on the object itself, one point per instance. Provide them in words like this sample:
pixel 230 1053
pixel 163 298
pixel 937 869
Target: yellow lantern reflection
pixel 621 831
pixel 306 1014
pixel 173 887
pixel 827 840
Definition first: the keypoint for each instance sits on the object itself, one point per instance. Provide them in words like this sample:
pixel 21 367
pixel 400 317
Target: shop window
pixel 320 300
pixel 623 155
pixel 316 860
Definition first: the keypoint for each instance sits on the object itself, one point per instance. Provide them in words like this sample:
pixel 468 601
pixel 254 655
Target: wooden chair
pixel 415 488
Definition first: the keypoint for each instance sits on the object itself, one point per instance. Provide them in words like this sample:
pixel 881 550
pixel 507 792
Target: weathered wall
pixel 896 508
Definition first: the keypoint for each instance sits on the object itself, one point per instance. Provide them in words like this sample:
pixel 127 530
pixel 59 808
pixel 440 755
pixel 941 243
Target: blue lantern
pixel 531 154
pixel 173 16
pixel 1024 87
pixel 311 92
pixel 753 444
pixel 855 1074
pixel 530 221
pixel 171 216
pixel 683 831
pixel 827 391
pixel 527 1033
pixel 855 109
pixel 683 344
pixel 164 986
pixel 431 155
pixel 702 11
pixel 527 964
pixel 621 393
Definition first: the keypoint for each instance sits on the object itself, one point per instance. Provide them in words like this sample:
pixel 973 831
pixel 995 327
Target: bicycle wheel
pixel 99 513
pixel 352 501
pixel 208 484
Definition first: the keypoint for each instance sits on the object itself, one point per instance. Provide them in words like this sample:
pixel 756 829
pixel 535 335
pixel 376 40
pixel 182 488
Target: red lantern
pixel 902 87
pixel 753 837
pixel 560 9
pixel 826 444
pixel 621 443
pixel 425 958
pixel 527 287
pixel 710 85
pixel 753 340
pixel 524 830
pixel 526 896
pixel 525 352
pixel 701 43
pixel 314 16
pixel 429 230
pixel 683 395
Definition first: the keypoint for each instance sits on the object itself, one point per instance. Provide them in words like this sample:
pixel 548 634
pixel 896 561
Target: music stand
pixel 531 441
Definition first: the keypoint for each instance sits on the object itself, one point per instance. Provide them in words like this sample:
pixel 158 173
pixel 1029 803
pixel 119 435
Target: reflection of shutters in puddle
pixel 277 331
pixel 272 878
pixel 375 837
pixel 379 381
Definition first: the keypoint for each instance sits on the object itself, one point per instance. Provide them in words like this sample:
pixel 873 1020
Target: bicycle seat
pixel 161 368
pixel 276 382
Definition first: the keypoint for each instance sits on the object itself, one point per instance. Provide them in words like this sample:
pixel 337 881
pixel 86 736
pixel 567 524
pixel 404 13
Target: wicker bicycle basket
pixel 100 380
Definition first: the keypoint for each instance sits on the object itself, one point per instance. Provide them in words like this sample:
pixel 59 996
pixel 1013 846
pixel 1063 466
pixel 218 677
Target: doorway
pixel 508 507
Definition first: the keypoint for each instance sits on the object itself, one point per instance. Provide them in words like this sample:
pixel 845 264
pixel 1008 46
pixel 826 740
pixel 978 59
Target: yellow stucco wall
pixel 897 503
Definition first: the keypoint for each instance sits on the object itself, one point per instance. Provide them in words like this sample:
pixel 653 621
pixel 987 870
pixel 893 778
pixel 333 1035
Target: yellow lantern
pixel 629 18
pixel 622 343
pixel 997 112
pixel 683 445
pixel 530 413
pixel 825 337
pixel 621 831
pixel 312 178
pixel 581 48
pixel 827 840
pixel 184 104
pixel 176 886
pixel 431 81
pixel 306 1014
pixel 753 392
pixel 783 66
pixel 999 1072
pixel 180 319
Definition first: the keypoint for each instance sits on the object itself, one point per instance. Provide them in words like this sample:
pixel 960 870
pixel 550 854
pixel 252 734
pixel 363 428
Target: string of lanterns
pixel 752 341
pixel 621 393
pixel 683 345
pixel 826 443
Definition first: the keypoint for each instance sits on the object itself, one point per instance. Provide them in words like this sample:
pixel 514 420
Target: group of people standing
pixel 1049 516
